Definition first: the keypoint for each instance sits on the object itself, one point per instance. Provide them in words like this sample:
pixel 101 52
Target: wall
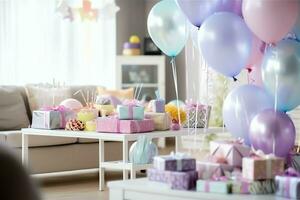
pixel 132 19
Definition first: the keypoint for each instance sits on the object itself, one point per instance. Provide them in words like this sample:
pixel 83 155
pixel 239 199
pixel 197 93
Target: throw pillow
pixel 121 94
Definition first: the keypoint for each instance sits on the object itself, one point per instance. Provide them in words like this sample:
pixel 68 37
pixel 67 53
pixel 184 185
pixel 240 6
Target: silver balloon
pixel 281 74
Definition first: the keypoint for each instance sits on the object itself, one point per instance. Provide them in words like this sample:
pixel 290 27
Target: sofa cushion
pixel 85 140
pixel 14 139
pixel 121 94
pixel 13 114
pixel 46 95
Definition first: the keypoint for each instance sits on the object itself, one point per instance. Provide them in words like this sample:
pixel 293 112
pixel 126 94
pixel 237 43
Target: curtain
pixel 37 45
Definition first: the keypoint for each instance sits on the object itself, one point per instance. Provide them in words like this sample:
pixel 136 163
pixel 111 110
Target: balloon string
pixel 176 87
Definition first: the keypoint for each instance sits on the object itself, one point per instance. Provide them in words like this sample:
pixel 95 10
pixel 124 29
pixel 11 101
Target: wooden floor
pixel 77 187
pixel 81 186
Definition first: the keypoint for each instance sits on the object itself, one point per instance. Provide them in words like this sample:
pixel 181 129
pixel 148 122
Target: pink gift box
pixel 259 168
pixel 208 170
pixel 115 125
pixel 233 152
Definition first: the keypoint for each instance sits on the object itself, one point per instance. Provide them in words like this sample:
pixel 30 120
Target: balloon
pixel 269 128
pixel 296 28
pixel 281 73
pixel 198 10
pixel 71 104
pixel 167 27
pixel 225 43
pixel 240 107
pixel 270 20
pixel 257 52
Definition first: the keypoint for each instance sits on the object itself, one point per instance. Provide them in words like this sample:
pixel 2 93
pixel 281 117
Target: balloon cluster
pixel 243 34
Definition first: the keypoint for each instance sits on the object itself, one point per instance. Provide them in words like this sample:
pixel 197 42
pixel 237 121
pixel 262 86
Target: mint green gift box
pixel 130 112
pixel 222 187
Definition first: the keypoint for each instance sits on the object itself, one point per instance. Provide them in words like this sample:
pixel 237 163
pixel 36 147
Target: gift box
pixel 177 180
pixel 161 121
pixel 208 170
pixel 262 167
pixel 46 119
pixel 294 158
pixel 157 105
pixel 52 117
pixel 218 186
pixel 175 162
pixel 131 110
pixel 115 125
pixel 232 151
pixel 253 187
pixel 288 184
pixel 197 115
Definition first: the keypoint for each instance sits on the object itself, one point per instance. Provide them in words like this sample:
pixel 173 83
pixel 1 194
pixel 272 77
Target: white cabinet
pixel 148 71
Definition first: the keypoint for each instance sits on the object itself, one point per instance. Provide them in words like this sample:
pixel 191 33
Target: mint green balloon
pixel 167 27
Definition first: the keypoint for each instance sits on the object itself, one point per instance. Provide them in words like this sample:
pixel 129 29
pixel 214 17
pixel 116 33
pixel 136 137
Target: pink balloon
pixel 257 52
pixel 270 20
pixel 71 104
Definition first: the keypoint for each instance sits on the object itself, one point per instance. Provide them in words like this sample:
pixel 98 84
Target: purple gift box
pixel 177 180
pixel 175 162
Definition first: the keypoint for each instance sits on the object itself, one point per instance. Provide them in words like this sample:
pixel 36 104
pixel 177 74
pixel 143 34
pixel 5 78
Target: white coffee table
pixel 123 165
pixel 147 190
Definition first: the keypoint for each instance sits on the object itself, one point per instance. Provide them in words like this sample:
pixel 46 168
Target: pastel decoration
pixel 90 125
pixel 142 151
pixel 161 121
pixel 197 115
pixel 46 119
pixel 87 114
pixel 134 39
pixel 71 104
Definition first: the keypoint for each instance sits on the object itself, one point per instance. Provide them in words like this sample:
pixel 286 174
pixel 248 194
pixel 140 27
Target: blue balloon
pixel 281 73
pixel 225 42
pixel 241 105
pixel 167 27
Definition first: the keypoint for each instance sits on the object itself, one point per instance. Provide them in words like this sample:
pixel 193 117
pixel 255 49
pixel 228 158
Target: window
pixel 38 45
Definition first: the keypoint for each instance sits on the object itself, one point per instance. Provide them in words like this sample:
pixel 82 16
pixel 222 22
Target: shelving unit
pixel 132 71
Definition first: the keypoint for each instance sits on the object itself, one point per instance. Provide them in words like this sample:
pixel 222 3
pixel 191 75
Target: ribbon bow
pixel 132 102
pixel 291 172
pixel 190 104
pixel 54 108
pixel 260 154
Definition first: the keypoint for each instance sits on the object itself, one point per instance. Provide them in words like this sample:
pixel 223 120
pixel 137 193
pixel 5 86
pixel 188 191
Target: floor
pixel 81 186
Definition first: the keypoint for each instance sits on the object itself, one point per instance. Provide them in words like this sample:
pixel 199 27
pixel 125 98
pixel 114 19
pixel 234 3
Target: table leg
pixel 125 159
pixel 177 143
pixel 25 149
pixel 132 172
pixel 101 170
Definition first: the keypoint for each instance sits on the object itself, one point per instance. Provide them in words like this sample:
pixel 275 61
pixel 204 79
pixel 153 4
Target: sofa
pixel 47 154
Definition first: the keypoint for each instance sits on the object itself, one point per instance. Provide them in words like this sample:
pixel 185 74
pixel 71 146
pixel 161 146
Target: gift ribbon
pixel 206 186
pixel 178 157
pixel 131 104
pixel 61 109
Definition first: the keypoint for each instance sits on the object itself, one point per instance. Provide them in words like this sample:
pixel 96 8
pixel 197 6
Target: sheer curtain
pixel 38 45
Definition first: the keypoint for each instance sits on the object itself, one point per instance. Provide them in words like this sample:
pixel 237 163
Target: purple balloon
pixel 269 128
pixel 241 105
pixel 225 42
pixel 198 10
